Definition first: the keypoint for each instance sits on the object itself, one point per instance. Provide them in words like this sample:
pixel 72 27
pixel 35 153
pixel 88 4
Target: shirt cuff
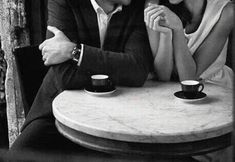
pixel 81 55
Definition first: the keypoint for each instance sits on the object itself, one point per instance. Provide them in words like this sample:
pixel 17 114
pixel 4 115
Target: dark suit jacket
pixel 125 55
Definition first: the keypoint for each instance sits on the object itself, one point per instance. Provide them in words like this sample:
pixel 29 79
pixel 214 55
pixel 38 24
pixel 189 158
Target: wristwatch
pixel 76 53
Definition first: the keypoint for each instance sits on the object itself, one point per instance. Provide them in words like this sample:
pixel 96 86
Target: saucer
pixel 198 97
pixel 107 91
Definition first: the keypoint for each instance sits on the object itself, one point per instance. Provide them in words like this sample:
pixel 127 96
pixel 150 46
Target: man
pixel 85 37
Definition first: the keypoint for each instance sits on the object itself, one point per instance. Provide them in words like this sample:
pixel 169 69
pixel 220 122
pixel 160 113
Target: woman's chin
pixel 175 2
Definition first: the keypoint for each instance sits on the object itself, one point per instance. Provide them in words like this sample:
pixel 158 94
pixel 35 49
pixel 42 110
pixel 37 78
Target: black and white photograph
pixel 117 80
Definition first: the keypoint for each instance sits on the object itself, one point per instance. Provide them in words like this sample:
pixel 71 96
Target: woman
pixel 189 39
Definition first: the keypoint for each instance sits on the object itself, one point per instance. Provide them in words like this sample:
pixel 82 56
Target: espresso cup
pixel 191 88
pixel 100 82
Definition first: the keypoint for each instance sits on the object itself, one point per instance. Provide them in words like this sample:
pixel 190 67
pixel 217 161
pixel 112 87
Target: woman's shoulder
pixel 227 16
pixel 228 9
pixel 228 12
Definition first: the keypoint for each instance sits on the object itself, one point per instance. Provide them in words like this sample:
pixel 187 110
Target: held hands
pixel 56 49
pixel 161 18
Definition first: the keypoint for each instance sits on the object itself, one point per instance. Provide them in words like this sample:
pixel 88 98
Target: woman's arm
pixel 163 62
pixel 184 62
pixel 191 67
pixel 160 39
pixel 210 49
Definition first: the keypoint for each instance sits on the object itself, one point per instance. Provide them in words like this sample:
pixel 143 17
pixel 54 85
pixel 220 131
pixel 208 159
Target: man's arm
pixel 129 67
pixel 61 16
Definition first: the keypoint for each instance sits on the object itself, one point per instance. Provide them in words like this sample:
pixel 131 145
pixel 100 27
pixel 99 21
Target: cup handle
pixel 202 87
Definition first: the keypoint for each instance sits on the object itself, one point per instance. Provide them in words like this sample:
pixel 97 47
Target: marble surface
pixel 150 114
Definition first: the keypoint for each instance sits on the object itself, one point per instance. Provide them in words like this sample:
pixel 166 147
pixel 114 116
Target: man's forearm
pixel 128 69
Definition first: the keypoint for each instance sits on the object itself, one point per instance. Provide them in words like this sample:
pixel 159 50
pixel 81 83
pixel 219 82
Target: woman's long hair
pixel 180 10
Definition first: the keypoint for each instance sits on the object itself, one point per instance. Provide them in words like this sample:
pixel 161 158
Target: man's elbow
pixel 135 79
pixel 140 78
pixel 164 78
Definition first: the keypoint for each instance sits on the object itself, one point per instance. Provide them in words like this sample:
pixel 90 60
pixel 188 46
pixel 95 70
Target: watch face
pixel 76 53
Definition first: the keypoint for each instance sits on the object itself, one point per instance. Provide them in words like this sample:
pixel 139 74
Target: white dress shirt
pixel 103 22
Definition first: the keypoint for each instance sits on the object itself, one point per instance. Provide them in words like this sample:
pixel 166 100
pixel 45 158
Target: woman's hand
pixel 153 17
pixel 159 18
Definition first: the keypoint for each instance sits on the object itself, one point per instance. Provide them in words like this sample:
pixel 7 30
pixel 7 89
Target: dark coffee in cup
pixel 191 88
pixel 100 82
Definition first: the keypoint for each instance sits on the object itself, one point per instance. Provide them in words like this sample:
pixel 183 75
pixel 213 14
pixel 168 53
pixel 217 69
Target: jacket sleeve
pixel 61 16
pixel 128 67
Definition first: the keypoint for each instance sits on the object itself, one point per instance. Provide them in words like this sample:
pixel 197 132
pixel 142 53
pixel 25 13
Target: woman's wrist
pixel 178 27
pixel 178 32
pixel 167 33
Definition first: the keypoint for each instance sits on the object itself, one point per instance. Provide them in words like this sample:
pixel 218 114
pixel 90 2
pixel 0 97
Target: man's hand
pixel 57 49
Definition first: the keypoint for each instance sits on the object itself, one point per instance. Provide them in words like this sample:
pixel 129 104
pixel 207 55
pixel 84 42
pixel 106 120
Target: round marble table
pixel 146 120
